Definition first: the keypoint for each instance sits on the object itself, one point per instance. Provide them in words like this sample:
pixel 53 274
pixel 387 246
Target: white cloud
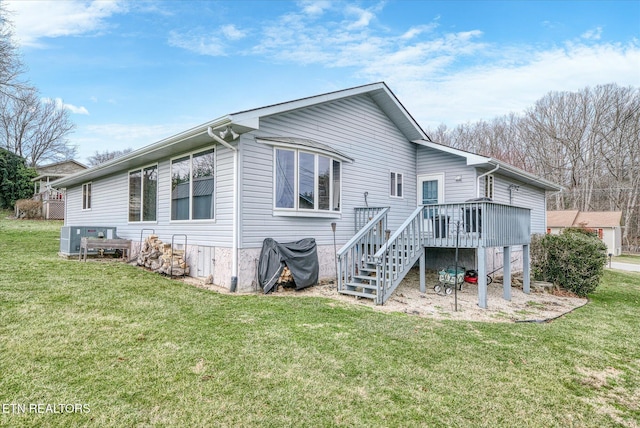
pixel 232 33
pixel 34 20
pixel 450 77
pixel 593 34
pixel 363 17
pixel 314 8
pixel 201 44
pixel 486 90
pixel 205 42
pixel 76 110
pixel 441 76
pixel 61 104
pixel 414 32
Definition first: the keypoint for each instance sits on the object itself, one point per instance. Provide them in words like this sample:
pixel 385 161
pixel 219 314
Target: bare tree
pixel 101 157
pixel 35 129
pixel 32 128
pixel 10 64
pixel 587 141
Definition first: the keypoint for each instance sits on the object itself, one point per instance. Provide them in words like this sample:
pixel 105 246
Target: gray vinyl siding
pixel 430 161
pixel 108 203
pixel 110 206
pixel 526 196
pixel 355 127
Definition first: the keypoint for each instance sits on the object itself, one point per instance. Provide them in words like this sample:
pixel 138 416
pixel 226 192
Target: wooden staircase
pixel 364 283
pixel 373 268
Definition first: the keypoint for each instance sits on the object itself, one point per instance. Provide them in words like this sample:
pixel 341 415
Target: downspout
pixel 234 239
pixel 483 175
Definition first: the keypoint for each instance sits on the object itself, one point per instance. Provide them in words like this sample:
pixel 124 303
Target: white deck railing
pixel 480 224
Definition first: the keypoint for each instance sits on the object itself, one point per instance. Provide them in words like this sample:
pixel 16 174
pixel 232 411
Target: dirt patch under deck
pixel 407 298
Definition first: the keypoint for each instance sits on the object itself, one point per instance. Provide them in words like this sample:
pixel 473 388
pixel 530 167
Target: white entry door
pixel 431 191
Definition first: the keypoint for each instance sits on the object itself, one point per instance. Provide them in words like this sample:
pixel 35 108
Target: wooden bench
pixel 96 243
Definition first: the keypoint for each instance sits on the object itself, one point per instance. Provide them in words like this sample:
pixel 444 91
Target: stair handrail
pixel 398 232
pixel 379 256
pixel 365 229
pixel 346 253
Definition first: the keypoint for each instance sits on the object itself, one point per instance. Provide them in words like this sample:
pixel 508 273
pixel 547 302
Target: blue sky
pixel 134 72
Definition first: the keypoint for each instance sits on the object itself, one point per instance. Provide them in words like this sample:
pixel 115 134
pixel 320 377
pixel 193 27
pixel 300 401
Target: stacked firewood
pixel 286 278
pixel 160 257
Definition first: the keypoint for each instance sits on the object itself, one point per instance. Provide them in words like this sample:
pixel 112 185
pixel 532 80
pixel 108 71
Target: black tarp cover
pixel 301 257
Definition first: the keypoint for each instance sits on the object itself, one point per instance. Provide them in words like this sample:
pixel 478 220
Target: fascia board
pixel 123 162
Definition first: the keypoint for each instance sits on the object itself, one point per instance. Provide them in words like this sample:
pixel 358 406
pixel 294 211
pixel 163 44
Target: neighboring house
pixel 52 199
pixel 605 223
pixel 288 171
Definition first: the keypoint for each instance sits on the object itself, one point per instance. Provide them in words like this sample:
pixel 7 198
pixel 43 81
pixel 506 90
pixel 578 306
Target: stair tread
pixel 359 294
pixel 360 285
pixel 365 277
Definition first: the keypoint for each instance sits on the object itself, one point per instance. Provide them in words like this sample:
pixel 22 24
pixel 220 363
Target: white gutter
pixel 119 163
pixel 234 239
pixel 483 175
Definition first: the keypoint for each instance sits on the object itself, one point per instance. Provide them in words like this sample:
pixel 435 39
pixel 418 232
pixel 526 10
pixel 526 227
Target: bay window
pixel 306 182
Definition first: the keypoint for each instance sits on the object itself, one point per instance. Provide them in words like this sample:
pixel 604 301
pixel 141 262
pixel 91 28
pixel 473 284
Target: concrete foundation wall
pixel 217 263
pixel 248 261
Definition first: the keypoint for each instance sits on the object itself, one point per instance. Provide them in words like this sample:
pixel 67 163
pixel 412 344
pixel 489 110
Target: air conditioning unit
pixel 70 237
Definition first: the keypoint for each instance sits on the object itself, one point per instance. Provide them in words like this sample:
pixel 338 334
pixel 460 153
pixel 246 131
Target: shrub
pixel 15 179
pixel 581 229
pixel 573 260
pixel 28 208
pixel 538 257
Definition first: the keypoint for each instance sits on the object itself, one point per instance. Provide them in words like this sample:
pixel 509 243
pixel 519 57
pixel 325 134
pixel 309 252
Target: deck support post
pixel 526 269
pixel 423 283
pixel 482 277
pixel 506 283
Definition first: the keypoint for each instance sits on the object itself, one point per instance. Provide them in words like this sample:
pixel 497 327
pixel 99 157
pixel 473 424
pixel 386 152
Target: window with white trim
pixel 488 186
pixel 193 186
pixel 86 196
pixel 306 181
pixel 143 194
pixel 395 188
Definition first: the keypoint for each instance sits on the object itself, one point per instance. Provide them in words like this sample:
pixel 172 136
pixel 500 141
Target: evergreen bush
pixel 15 179
pixel 574 260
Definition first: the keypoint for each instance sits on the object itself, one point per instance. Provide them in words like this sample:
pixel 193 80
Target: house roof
pixel 246 121
pixel 598 219
pixel 58 169
pixel 61 163
pixel 575 218
pixel 561 218
pixel 503 167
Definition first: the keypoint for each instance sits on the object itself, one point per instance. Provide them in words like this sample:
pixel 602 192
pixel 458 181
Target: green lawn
pixel 628 258
pixel 137 349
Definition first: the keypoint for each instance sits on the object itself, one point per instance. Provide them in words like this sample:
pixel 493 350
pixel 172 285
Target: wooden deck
pixel 386 259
